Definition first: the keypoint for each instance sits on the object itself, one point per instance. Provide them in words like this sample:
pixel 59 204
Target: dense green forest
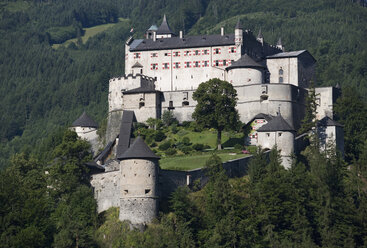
pixel 43 89
pixel 319 202
pixel 45 197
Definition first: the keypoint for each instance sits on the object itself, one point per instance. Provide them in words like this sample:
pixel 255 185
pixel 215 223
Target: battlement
pixel 132 76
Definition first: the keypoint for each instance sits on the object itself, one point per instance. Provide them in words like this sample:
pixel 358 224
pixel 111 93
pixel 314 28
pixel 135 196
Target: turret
pixel 139 184
pixel 279 44
pixel 238 38
pixel 164 30
pixel 151 32
pixel 260 37
pixel 245 71
pixel 277 132
pixel 86 128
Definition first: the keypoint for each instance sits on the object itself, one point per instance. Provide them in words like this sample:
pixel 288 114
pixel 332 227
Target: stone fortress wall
pixel 109 186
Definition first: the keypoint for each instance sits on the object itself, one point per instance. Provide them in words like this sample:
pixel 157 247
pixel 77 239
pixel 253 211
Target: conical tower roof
pixel 276 124
pixel 245 62
pixel 327 121
pixel 238 25
pixel 279 43
pixel 164 27
pixel 260 35
pixel 138 150
pixel 84 121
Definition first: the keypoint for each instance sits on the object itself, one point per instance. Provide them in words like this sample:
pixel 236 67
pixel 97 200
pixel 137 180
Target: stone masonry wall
pixel 106 189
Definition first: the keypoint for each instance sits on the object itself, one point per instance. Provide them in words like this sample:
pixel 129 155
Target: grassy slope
pixel 90 32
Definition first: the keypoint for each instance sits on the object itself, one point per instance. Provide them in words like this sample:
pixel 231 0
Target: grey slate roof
pixel 125 132
pixel 245 62
pixel 105 151
pixel 286 54
pixel 164 27
pixel 95 168
pixel 138 150
pixel 327 121
pixel 263 116
pixel 153 28
pixel 142 89
pixel 276 124
pixel 84 121
pixel 182 43
pixel 137 65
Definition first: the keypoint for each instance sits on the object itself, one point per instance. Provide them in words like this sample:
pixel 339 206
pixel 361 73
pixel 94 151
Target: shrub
pixel 195 127
pixel 153 144
pixel 171 151
pixel 159 136
pixel 186 124
pixel 182 132
pixel 174 128
pixel 198 147
pixel 186 141
pixel 206 146
pixel 238 146
pixel 186 149
pixel 164 146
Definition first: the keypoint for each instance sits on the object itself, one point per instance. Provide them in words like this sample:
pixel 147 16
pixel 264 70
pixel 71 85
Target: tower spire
pixel 260 37
pixel 279 44
pixel 238 25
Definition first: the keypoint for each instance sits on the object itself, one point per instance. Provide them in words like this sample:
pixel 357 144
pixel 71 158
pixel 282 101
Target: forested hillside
pixel 43 89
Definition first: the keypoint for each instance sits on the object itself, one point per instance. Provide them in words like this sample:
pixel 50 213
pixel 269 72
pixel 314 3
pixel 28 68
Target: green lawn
pixel 191 162
pixel 90 32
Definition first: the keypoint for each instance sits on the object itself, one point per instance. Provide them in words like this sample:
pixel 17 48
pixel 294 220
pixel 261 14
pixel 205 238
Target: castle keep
pixel 161 73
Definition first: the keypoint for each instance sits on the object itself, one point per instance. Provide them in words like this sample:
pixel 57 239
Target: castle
pixel 161 73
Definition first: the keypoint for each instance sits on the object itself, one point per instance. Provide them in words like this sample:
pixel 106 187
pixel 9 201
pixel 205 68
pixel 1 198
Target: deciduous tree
pixel 216 102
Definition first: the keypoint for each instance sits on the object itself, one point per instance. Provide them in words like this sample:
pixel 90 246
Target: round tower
pixel 139 184
pixel 86 128
pixel 245 71
pixel 277 132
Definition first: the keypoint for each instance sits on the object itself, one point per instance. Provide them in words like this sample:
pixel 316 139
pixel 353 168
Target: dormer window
pixel 136 55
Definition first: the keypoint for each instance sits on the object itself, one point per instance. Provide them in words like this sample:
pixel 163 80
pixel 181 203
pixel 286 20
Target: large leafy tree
pixel 216 102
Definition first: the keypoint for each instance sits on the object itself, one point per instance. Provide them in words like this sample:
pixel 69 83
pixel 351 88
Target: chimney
pixel 154 35
pixel 181 34
pixel 222 31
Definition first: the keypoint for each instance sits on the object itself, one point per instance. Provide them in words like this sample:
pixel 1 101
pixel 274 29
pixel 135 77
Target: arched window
pixel 280 71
